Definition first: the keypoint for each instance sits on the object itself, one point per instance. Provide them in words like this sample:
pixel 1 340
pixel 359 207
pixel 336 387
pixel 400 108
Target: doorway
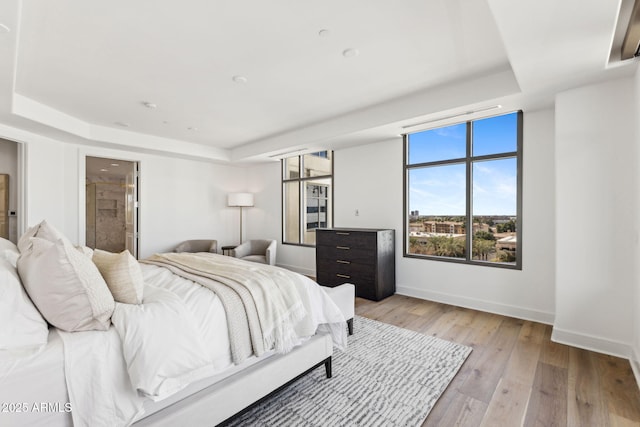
pixel 111 188
pixel 9 189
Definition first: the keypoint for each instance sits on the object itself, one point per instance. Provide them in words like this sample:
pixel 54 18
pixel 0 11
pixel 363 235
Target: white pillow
pixel 9 251
pixel 44 230
pixel 86 250
pixel 161 344
pixel 122 274
pixel 65 285
pixel 21 325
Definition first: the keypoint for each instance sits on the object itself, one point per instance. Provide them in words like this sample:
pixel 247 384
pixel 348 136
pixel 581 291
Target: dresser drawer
pixel 351 271
pixel 347 239
pixel 346 255
pixel 365 287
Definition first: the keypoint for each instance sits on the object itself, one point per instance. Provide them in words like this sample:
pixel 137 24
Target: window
pixel 307 183
pixel 463 177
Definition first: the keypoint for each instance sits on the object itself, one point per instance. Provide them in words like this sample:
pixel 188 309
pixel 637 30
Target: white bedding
pixel 35 378
pixel 143 348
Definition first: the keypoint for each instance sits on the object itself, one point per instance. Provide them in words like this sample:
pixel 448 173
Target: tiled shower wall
pixel 105 203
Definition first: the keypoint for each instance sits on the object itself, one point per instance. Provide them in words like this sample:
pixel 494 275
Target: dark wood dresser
pixel 362 256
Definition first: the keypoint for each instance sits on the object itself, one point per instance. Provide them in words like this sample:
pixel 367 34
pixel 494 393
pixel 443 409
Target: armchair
pixel 197 246
pixel 263 251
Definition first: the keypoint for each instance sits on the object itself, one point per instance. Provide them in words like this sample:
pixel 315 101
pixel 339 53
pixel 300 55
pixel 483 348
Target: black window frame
pixel 302 181
pixel 468 160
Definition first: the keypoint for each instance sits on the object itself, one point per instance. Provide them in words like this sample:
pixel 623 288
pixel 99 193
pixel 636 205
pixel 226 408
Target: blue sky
pixel 440 190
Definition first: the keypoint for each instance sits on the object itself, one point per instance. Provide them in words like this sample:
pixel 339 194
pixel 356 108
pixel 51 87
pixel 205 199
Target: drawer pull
pixel 342 233
pixel 343 262
pixel 343 247
pixel 344 276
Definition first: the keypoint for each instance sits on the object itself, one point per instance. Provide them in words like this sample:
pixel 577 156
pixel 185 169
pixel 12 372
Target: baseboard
pixel 635 364
pixel 478 304
pixel 593 343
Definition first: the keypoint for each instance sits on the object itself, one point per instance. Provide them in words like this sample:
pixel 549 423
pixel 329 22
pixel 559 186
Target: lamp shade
pixel 240 199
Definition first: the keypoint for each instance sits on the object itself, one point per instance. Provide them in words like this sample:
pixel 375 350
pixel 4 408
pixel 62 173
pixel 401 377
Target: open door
pixel 131 210
pixel 111 190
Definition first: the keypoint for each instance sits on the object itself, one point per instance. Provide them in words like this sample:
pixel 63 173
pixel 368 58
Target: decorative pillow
pixel 122 274
pixel 44 230
pixel 21 325
pixel 66 286
pixel 9 251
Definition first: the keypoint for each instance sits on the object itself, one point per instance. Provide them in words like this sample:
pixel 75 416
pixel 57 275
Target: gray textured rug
pixel 388 377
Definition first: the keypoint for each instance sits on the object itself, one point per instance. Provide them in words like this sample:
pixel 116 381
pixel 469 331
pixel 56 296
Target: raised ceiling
pixel 307 73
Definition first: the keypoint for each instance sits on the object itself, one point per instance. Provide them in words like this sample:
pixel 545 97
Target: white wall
pixel 596 214
pixel 369 179
pixel 180 199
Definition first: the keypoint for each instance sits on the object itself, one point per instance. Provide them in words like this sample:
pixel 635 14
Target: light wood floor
pixel 515 374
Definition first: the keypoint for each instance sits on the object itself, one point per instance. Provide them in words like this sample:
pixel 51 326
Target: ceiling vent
pixel 631 43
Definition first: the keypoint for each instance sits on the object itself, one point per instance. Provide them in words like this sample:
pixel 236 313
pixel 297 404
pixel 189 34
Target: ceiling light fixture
pixel 350 53
pixel 239 79
pixel 479 110
pixel 115 164
pixel 149 104
pixel 4 29
pixel 104 170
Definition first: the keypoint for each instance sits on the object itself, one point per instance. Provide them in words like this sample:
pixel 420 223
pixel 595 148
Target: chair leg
pixel 350 326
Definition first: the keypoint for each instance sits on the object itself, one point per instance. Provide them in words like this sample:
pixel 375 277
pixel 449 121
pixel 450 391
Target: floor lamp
pixel 241 200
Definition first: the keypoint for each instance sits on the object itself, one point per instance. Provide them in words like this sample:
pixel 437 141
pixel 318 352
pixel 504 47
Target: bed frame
pixel 235 393
pixel 232 395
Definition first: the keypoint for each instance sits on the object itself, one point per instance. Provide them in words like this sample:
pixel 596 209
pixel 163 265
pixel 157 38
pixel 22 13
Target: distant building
pixel 416 227
pixel 508 243
pixel 444 227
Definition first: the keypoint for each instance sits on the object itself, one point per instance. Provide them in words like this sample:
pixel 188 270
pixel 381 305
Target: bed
pixel 172 354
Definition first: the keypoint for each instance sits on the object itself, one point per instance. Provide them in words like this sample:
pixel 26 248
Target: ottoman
pixel 344 297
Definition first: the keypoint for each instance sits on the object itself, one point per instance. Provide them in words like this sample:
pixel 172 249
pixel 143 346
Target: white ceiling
pixel 81 70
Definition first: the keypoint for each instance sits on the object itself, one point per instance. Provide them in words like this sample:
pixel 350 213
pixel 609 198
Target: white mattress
pixel 35 383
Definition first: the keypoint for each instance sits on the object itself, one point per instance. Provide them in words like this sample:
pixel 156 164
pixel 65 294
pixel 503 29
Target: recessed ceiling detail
pixel 417 62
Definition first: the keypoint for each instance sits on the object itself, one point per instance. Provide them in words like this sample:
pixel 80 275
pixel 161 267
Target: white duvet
pixel 153 350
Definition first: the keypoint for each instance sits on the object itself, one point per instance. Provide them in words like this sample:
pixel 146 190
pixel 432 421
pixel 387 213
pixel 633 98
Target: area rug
pixel 389 376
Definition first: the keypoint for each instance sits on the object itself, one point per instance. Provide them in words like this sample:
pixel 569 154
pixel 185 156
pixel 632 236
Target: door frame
pixel 82 195
pixel 21 185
